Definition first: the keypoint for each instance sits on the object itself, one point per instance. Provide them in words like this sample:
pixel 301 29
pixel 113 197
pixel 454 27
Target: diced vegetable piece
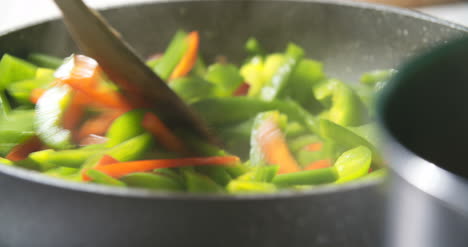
pixel 121 169
pixel 353 164
pixel 280 78
pixel 73 158
pixel 245 187
pixel 192 88
pixel 346 138
pixel 44 60
pixel 307 73
pixel 197 183
pixel 156 127
pixel 22 150
pixel 173 54
pixel 13 69
pixel 102 178
pixel 260 174
pixel 125 127
pixel 225 77
pixel 15 129
pixel 311 177
pixel 48 118
pixel 98 125
pixel 189 59
pixel 347 108
pixel 152 181
pixel 268 145
pixel 216 173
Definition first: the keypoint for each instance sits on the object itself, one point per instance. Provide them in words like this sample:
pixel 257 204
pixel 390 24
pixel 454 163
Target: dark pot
pixel 349 37
pixel 424 113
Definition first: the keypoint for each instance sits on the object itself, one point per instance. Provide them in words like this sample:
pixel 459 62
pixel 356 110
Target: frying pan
pixel 349 38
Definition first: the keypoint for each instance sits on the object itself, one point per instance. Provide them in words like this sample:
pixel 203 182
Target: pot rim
pixel 35 177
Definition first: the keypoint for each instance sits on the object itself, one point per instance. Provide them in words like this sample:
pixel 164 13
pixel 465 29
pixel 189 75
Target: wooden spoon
pixel 96 38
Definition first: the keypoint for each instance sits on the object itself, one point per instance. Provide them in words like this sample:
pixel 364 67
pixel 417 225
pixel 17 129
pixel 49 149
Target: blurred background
pixel 21 12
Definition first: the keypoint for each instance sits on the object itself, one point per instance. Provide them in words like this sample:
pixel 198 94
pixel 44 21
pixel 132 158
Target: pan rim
pixel 36 177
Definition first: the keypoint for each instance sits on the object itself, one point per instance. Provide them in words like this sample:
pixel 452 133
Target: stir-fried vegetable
pixel 284 123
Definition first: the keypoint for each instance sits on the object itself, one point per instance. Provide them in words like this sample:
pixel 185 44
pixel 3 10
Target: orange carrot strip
pixel 318 164
pixel 156 127
pixel 118 170
pixel 104 161
pixel 313 147
pixel 97 125
pixel 274 146
pixel 105 98
pixel 190 57
pixel 21 151
pixel 36 94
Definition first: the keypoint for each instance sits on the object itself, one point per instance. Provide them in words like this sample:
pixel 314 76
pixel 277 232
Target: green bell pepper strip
pixel 152 181
pixel 14 129
pixel 102 178
pixel 21 91
pixel 43 60
pixel 299 87
pixel 379 174
pixel 346 138
pixel 64 173
pixel 217 174
pixel 197 183
pixel 192 88
pixel 132 149
pixel 295 129
pixel 72 158
pixel 13 69
pixel 125 127
pixel 237 170
pixel 312 177
pixel 225 77
pixel 260 174
pixel 210 109
pixel 174 52
pixel 279 80
pixel 48 119
pixel 353 164
pixel 247 187
pixel 347 108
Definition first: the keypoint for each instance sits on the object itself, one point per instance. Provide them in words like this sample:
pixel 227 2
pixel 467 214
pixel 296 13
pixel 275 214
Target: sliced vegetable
pixel 189 59
pixel 268 145
pixel 152 181
pixel 353 164
pixel 120 169
pixel 312 177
